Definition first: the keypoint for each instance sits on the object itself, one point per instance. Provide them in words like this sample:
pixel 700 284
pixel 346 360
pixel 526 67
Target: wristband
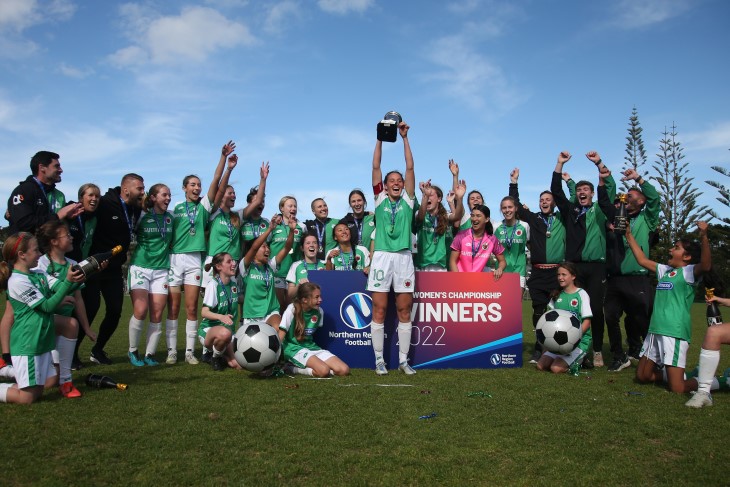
pixel 600 161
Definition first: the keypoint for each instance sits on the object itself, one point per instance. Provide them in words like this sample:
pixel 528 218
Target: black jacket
pixel 112 228
pixel 28 207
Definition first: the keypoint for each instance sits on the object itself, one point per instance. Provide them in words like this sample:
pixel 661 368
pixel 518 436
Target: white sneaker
pixel 699 400
pixel 171 357
pixel 7 372
pixel 598 359
pixel 406 369
pixel 380 368
pixel 190 358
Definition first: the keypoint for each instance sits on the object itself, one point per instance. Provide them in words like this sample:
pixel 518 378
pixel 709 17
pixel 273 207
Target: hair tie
pixel 21 236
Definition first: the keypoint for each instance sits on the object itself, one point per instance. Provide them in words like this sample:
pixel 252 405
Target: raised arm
pixel 556 185
pixel 260 193
pixel 454 169
pixel 605 202
pixel 232 161
pixel 426 191
pixel 603 173
pixel 226 151
pixel 377 159
pixel 410 182
pixel 641 259
pixel 289 241
pixel 248 258
pixel 458 201
pixel 706 255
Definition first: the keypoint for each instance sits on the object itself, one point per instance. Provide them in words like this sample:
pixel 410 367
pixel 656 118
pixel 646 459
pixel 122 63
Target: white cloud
pixel 279 14
pixel 716 137
pixel 18 15
pixel 194 35
pixel 342 7
pixel 74 72
pixel 467 75
pixel 632 14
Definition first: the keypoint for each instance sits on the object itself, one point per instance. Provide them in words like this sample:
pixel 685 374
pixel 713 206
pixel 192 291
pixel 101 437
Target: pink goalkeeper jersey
pixel 474 253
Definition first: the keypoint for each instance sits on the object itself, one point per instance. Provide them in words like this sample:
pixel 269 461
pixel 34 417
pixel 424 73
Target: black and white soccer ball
pixel 558 331
pixel 257 346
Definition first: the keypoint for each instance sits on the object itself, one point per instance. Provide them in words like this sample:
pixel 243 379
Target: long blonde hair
pixel 305 290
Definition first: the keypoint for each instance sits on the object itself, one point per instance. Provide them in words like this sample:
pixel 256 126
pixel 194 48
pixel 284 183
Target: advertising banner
pixel 460 320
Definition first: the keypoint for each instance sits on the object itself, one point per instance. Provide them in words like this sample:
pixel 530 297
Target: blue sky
pixel 157 87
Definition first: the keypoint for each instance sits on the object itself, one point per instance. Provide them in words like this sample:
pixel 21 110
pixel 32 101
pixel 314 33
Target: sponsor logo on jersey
pixel 665 286
pixel 115 217
pixel 371 223
pixel 356 310
pixel 17 199
pixel 39 202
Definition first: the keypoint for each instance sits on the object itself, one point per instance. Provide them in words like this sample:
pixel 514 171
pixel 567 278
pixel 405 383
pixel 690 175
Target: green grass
pixel 186 425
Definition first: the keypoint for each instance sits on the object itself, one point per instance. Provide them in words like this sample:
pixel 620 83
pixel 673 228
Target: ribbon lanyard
pixel 583 211
pixel 347 264
pixel 52 201
pixel 264 271
pixel 474 250
pixel 509 240
pixel 130 223
pixel 358 225
pixel 320 234
pixel 227 292
pixel 161 230
pixel 393 211
pixel 82 227
pixel 191 218
pixel 548 221
pixel 227 218
pixel 434 224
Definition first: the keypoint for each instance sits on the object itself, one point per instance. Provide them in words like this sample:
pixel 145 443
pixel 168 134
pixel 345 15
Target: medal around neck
pixel 388 127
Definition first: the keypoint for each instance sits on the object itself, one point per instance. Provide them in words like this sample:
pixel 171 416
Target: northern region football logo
pixel 356 310
pixel 495 359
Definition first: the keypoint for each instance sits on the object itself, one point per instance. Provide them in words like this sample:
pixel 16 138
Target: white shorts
pixel 576 354
pixel 301 357
pixel 392 268
pixel 664 350
pixel 185 269
pixel 33 370
pixel 432 268
pixel 154 281
pixel 280 283
pixel 265 319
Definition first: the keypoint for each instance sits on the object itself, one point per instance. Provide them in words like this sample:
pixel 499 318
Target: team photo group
pixel 243 267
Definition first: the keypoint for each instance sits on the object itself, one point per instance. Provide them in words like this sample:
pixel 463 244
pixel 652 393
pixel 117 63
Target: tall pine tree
pixel 635 156
pixel 724 197
pixel 678 197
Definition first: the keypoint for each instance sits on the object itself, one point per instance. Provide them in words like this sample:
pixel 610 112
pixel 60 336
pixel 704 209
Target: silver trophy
pixel 388 127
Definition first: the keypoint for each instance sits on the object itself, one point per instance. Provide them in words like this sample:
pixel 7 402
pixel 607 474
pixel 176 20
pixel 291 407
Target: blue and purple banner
pixel 460 320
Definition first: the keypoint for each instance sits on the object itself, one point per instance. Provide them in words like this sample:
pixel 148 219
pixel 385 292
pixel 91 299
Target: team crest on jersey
pixel 574 302
pixel 407 283
pixel 168 220
pixel 518 232
pixel 262 226
pixel 672 274
pixel 296 232
pixel 314 319
pixel 17 199
pixel 485 246
pixel 234 290
pixel 357 258
pixel 39 201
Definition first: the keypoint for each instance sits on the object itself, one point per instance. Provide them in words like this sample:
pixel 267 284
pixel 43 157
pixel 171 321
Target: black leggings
pixel 111 287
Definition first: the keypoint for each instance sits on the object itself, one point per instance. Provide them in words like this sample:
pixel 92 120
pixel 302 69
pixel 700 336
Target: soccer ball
pixel 558 331
pixel 257 346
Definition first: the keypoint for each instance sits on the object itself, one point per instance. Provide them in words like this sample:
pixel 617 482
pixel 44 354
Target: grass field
pixel 186 425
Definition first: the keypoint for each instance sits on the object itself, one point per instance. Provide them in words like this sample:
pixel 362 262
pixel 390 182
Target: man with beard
pixel 117 216
pixel 628 288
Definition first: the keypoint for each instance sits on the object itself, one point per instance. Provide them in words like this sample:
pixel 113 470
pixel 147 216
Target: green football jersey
pixel 278 240
pixel 190 220
pixel 395 221
pixel 675 292
pixel 356 259
pixel 154 235
pixel 251 229
pixel 514 240
pixel 55 274
pixel 433 249
pixel 298 272
pixel 579 304
pixel 260 298
pixel 312 321
pixel 223 235
pixel 222 299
